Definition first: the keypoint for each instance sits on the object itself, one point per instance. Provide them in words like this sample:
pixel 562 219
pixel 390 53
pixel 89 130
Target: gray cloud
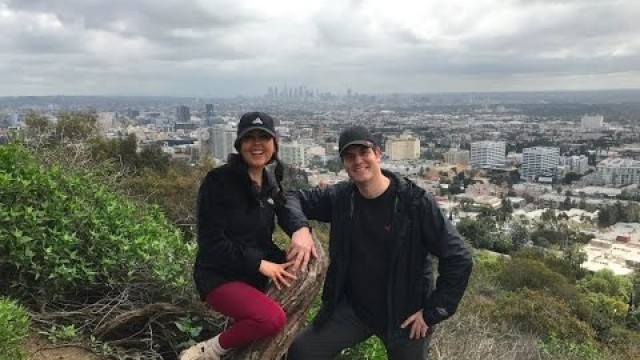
pixel 226 47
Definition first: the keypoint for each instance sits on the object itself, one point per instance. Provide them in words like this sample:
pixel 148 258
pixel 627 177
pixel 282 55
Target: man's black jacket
pixel 420 229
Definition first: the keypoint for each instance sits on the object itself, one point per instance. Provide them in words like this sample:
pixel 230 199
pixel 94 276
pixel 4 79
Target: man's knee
pixel 298 350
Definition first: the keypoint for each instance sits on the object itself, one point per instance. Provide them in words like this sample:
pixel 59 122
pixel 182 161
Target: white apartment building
pixel 222 138
pixel 457 156
pixel 402 147
pixel 592 122
pixel 618 171
pixel 488 154
pixel 294 154
pixel 577 164
pixel 538 160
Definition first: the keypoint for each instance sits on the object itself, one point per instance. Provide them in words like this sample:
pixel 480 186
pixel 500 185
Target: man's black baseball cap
pixel 356 135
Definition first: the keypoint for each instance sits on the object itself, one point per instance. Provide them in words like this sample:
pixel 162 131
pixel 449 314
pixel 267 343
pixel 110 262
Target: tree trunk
pixel 296 301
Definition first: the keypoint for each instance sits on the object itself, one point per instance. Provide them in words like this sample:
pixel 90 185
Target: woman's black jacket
pixel 235 223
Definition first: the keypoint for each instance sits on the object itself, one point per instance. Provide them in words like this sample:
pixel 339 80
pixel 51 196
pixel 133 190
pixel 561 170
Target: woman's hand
pixel 277 273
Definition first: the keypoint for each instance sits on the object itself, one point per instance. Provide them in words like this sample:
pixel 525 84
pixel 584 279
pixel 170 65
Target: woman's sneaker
pixel 200 351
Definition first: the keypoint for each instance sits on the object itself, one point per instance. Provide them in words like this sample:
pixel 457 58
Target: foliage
pixel 562 265
pixel 38 126
pixel 124 154
pixel 14 325
pixel 602 312
pixel 76 126
pixel 571 177
pixel 519 235
pixel 624 340
pixel 633 320
pixel 64 234
pixel 487 269
pixel 542 314
pixel 557 348
pixel 618 212
pixel 191 328
pixel 575 257
pixel 608 283
pixel 176 193
pixel 370 349
pixel 477 232
pixel 522 273
pixel 61 333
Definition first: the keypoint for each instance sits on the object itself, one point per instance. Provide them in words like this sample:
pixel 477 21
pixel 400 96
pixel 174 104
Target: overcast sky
pixel 230 47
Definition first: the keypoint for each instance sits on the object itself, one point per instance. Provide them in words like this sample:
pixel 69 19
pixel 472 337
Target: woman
pixel 236 255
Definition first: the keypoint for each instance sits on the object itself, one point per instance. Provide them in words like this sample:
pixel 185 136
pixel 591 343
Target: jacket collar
pixel 241 172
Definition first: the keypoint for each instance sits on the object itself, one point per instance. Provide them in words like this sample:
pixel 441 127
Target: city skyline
pixel 226 48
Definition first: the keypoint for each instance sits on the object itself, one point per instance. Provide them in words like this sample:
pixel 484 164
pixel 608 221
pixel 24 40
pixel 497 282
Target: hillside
pixel 79 251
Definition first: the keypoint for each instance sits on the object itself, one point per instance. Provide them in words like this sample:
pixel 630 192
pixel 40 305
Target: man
pixel 379 281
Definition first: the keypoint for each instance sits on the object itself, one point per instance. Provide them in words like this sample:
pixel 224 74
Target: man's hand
pixel 277 273
pixel 418 326
pixel 302 249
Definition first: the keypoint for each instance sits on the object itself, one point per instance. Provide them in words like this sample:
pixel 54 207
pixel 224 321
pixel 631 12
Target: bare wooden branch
pixel 129 316
pixel 296 301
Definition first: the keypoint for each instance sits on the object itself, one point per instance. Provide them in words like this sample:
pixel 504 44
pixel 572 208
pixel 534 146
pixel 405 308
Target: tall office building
pixel 222 138
pixel 592 122
pixel 488 154
pixel 402 147
pixel 208 110
pixel 577 164
pixel 210 117
pixel 294 153
pixel 457 156
pixel 619 171
pixel 539 160
pixel 182 114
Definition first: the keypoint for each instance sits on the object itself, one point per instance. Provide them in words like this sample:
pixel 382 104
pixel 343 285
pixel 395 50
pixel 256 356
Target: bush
pixel 554 348
pixel 602 312
pixel 553 262
pixel 14 324
pixel 64 234
pixel 487 269
pixel 534 275
pixel 542 314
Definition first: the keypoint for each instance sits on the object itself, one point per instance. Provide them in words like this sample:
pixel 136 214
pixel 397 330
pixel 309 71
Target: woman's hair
pixel 278 171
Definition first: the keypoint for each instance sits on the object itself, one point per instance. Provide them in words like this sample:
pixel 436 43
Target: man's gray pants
pixel 344 330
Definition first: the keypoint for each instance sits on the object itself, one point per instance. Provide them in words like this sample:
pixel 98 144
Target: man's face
pixel 361 163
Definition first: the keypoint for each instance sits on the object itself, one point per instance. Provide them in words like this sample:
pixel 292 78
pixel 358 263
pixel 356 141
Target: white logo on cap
pixel 257 121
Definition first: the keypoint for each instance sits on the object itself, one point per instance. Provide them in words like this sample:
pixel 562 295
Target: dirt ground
pixel 39 348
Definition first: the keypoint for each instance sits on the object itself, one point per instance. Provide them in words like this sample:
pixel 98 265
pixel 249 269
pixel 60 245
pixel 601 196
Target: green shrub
pixel 14 324
pixel 555 348
pixel 488 266
pixel 540 313
pixel 64 234
pixel 600 311
pixel 556 263
pixel 534 275
pixel 625 341
pixel 370 349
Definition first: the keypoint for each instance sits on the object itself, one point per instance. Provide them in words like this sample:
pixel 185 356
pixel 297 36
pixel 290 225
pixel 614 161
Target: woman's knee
pixel 273 321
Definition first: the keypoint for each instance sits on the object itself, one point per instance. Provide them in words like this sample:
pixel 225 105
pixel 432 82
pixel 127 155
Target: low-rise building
pixel 618 171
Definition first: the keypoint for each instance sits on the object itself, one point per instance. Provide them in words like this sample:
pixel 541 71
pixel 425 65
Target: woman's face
pixel 257 148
